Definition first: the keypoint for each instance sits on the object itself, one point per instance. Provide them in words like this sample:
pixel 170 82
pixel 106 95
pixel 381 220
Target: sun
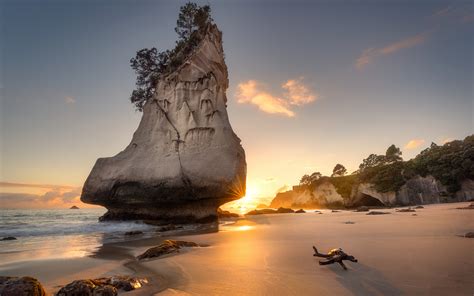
pixel 247 202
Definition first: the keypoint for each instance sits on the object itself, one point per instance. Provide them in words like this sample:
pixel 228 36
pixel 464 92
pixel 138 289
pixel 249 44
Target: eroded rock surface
pixel 20 286
pixel 184 159
pixel 167 247
pixel 106 286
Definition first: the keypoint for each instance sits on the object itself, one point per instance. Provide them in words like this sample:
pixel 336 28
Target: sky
pixel 312 84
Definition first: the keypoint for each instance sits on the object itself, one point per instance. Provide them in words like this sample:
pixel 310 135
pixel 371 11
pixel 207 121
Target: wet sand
pixel 399 254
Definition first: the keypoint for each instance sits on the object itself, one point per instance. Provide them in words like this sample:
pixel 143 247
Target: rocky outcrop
pixel 19 286
pixel 325 194
pixel 467 191
pixel 184 159
pixel 167 247
pixel 106 286
pixel 417 190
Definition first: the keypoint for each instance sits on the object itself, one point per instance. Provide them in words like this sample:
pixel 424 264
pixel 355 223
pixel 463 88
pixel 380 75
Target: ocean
pixel 62 233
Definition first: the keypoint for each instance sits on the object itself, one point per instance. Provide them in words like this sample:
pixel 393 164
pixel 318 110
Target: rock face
pixel 325 194
pixel 19 286
pixel 184 159
pixel 417 190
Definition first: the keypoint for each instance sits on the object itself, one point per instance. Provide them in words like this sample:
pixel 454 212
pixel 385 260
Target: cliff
pixel 184 159
pixel 417 190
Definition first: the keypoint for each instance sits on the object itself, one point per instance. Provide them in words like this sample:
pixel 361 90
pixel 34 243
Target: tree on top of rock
pixel 393 154
pixel 192 18
pixel 339 170
pixel 149 65
pixel 308 180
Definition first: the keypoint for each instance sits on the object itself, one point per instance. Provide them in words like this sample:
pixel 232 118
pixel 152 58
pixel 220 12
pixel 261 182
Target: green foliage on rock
pixel 450 163
pixel 344 184
pixel 149 65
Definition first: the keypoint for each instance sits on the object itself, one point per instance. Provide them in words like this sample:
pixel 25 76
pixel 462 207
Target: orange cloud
pixel 297 94
pixel 251 92
pixel 368 55
pixel 34 196
pixel 413 144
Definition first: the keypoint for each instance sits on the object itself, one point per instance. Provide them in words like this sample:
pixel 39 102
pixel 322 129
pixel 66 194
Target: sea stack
pixel 184 160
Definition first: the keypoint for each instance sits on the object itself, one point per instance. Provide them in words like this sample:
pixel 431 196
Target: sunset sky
pixel 312 84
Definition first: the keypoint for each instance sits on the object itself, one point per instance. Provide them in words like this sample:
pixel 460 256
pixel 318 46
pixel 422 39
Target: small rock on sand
pixel 469 207
pixel 167 247
pixel 19 286
pixel 8 238
pixel 469 235
pixel 409 210
pixel 300 211
pixel 335 211
pixel 362 209
pixel 419 207
pixel 349 222
pixel 377 213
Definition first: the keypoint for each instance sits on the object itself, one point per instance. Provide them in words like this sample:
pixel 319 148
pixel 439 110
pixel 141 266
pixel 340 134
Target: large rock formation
pixel 184 159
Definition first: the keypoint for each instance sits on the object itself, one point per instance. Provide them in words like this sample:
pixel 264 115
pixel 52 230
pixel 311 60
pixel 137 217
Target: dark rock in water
pixel 167 228
pixel 167 247
pixel 409 210
pixel 8 238
pixel 74 208
pixel 349 222
pixel 87 288
pixel 134 232
pixel 282 210
pixel 419 207
pixel 300 211
pixel 20 286
pixel 377 213
pixel 469 235
pixel 107 286
pixel 414 214
pixel 335 211
pixel 222 214
pixel 184 160
pixel 362 209
pixel 123 282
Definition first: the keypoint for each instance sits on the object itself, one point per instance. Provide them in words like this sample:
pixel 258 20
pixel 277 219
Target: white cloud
pixel 69 100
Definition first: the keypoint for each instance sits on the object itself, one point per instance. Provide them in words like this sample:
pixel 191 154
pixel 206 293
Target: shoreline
pixel 271 254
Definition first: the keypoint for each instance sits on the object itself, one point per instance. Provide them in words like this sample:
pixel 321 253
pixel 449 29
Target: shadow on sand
pixel 361 280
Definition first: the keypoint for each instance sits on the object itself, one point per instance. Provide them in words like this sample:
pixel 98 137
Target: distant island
pixel 437 174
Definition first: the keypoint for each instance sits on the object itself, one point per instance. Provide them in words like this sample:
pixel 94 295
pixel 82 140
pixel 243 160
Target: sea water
pixel 63 233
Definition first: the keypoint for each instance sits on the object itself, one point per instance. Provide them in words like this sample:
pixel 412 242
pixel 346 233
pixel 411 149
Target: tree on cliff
pixel 149 65
pixel 393 154
pixel 339 170
pixel 309 180
pixel 191 18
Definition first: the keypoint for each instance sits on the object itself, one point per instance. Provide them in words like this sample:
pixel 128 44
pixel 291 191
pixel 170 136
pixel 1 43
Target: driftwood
pixel 334 256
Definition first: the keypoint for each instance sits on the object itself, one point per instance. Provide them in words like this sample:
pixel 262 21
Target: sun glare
pixel 247 202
